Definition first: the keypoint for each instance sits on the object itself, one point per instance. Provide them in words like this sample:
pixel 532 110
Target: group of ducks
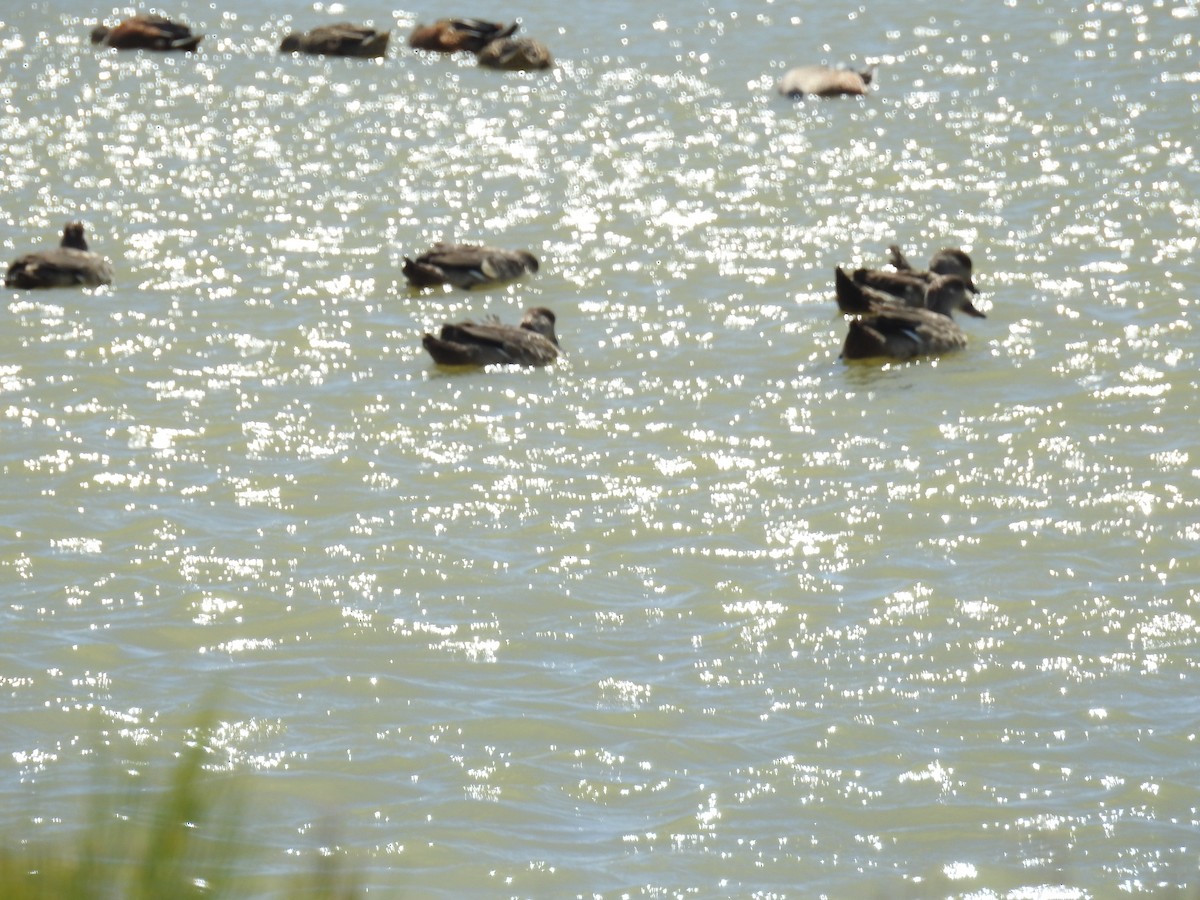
pixel 897 313
pixel 531 343
pixel 492 42
pixel 904 312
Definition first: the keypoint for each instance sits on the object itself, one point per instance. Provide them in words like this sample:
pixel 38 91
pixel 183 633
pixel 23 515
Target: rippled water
pixel 700 611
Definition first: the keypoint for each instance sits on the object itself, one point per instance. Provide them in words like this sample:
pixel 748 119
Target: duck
pixel 340 39
pixel 467 265
pixel 532 343
pixel 825 81
pixel 947 261
pixel 515 55
pixel 147 32
pixel 70 264
pixel 452 35
pixel 902 332
pixel 908 284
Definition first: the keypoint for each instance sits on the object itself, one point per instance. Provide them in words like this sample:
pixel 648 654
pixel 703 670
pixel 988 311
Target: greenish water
pixel 701 610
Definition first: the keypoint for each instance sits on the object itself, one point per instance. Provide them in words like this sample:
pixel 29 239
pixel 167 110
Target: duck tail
pixel 896 258
pixel 863 342
pixel 445 353
pixel 851 298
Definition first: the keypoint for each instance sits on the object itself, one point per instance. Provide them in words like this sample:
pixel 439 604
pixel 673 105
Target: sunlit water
pixel 700 611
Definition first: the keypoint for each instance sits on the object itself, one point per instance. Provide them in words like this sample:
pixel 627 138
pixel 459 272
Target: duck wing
pixel 854 298
pixel 902 333
pixel 906 287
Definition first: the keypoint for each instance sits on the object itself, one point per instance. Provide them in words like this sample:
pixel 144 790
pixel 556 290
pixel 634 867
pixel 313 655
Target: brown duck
pixel 515 55
pixel 70 264
pixel 532 343
pixel 467 265
pixel 824 81
pixel 894 331
pixel 908 284
pixel 452 35
pixel 341 39
pixel 147 32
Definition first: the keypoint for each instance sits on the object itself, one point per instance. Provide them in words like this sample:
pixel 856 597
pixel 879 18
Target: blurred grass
pixel 180 842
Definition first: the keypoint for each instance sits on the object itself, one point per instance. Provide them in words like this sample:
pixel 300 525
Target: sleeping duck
pixel 70 264
pixel 341 39
pixel 515 55
pixel 452 35
pixel 532 343
pixel 467 265
pixel 147 32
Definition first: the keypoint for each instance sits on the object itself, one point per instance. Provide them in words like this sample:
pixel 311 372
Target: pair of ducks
pixel 531 343
pixel 492 43
pixel 148 31
pixel 905 313
pixel 72 264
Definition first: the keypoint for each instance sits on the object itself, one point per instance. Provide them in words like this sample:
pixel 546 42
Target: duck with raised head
pixel 515 55
pixel 907 283
pixel 532 343
pixel 902 332
pixel 147 32
pixel 467 266
pixel 453 35
pixel 340 39
pixel 70 264
pixel 825 81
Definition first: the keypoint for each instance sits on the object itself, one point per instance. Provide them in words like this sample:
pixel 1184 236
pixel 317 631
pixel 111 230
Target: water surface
pixel 700 611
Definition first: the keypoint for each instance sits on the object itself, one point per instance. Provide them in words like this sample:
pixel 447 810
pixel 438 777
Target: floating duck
pixel 515 55
pixel 888 329
pixel 452 35
pixel 467 265
pixel 947 261
pixel 824 81
pixel 907 284
pixel 147 32
pixel 532 343
pixel 70 264
pixel 341 39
